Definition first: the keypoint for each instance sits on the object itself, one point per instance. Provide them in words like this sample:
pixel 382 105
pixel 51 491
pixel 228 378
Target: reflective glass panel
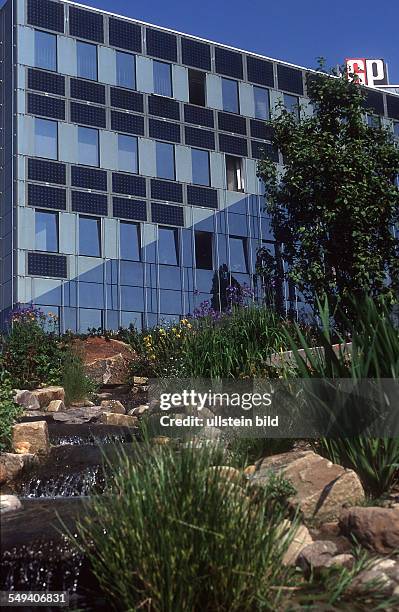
pixel 127 153
pixel 87 60
pixel 46 144
pixel 162 79
pixel 262 105
pixel 238 254
pixel 200 162
pixel 88 146
pixel 230 95
pixel 130 241
pixel 165 155
pixel 168 246
pixel 125 70
pixel 46 231
pixel 89 236
pixel 45 50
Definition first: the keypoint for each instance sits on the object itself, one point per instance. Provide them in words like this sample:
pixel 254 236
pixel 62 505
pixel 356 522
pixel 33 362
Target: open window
pixel 196 87
pixel 203 250
pixel 234 173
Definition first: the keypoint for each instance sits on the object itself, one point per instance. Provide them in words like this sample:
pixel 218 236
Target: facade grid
pixel 129 173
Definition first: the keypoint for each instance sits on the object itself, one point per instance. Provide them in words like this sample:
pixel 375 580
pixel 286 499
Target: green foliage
pixel 76 383
pixel 335 204
pixel 9 412
pixel 374 354
pixel 247 451
pixel 32 353
pixel 182 538
pixel 236 345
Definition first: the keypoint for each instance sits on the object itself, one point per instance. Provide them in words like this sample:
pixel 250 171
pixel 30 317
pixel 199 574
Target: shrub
pixel 9 412
pixel 374 354
pixel 31 353
pixel 236 344
pixel 181 538
pixel 76 383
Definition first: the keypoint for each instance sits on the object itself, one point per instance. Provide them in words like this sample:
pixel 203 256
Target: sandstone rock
pixel 322 487
pixel 78 416
pixel 139 380
pixel 121 420
pixel 316 556
pixel 27 399
pixel 56 406
pixel 107 362
pixel 12 464
pixel 161 440
pixel 30 437
pixel 49 394
pixel 114 406
pixel 227 473
pixel 374 528
pixel 139 411
pixel 9 503
pixel 250 470
pixel 301 539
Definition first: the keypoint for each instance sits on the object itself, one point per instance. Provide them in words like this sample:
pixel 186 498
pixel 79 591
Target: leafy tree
pixel 336 202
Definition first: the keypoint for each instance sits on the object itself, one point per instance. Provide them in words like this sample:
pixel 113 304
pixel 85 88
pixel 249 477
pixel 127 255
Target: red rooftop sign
pixel 371 72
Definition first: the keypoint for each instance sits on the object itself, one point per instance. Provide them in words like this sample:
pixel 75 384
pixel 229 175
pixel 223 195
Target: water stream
pixel 35 555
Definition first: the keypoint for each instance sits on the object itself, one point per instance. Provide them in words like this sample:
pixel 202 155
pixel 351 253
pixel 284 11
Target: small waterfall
pixel 70 484
pixel 76 440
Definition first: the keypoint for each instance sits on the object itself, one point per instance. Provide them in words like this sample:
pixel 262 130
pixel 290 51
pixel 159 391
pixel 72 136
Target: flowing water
pixel 35 555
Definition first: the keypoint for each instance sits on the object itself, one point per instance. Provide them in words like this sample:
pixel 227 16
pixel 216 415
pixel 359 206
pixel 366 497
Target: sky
pixel 297 31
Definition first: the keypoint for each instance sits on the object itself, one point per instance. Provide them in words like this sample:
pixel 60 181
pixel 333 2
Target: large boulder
pixel 107 362
pixel 31 437
pixel 301 539
pixel 322 488
pixel 49 394
pixel 12 465
pixel 374 528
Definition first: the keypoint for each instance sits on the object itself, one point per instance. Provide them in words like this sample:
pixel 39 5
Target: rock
pixel 12 464
pixel 382 576
pixel 31 437
pixel 322 487
pixel 139 380
pixel 161 440
pixel 227 473
pixel 301 539
pixel 105 395
pixel 250 470
pixel 374 528
pixel 9 503
pixel 26 399
pixel 56 406
pixel 84 403
pixel 139 411
pixel 316 556
pixel 344 560
pixel 78 416
pixel 49 394
pixel 114 406
pixel 121 420
pixel 107 362
pixel 210 433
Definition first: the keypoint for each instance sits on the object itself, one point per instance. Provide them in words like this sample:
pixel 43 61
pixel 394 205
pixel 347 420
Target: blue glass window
pixel 87 60
pixel 262 103
pixel 127 153
pixel 291 103
pixel 162 79
pixel 125 70
pixel 88 153
pixel 203 250
pixel 238 254
pixel 45 50
pixel 46 231
pixel 89 318
pixel 230 95
pixel 89 236
pixel 168 246
pixel 130 241
pixel 46 138
pixel 165 156
pixel 200 164
pixel 396 128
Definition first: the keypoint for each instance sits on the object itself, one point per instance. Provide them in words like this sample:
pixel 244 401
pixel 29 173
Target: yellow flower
pixel 184 322
pixel 174 330
pixel 162 332
pixel 189 326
